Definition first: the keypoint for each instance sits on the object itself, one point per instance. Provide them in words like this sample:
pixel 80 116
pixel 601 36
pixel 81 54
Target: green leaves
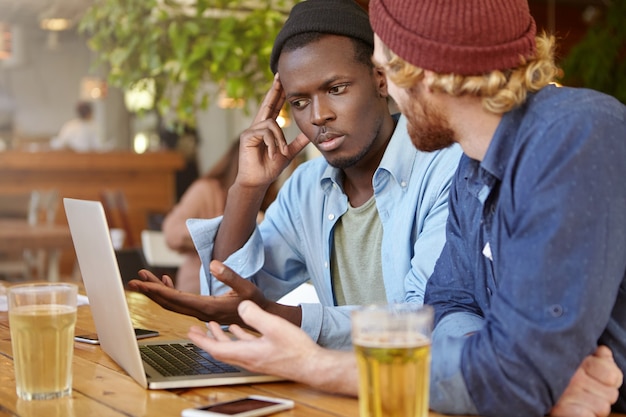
pixel 184 44
pixel 598 61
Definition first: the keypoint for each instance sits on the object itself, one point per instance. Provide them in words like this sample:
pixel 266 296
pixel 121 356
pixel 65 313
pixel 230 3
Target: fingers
pixel 201 338
pixel 148 276
pixel 603 352
pixel 268 133
pixel 218 344
pixel 576 401
pixel 243 287
pixel 217 333
pixel 297 145
pixel 272 102
pixel 582 409
pixel 592 389
pixel 259 319
pixel 169 282
pixel 602 392
pixel 240 333
pixel 602 367
pixel 270 107
pixel 198 330
pixel 141 286
pixel 170 298
pixel 274 140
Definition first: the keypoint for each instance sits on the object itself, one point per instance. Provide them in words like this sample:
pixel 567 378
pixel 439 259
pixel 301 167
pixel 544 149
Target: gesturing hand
pixel 282 348
pixel 222 308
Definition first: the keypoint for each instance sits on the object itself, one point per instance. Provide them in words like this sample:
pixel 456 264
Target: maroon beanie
pixel 465 37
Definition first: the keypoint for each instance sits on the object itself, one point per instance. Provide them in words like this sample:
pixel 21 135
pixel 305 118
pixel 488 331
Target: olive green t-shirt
pixel 356 259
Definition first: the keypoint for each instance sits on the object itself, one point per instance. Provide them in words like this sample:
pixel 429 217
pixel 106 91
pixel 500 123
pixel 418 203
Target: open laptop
pixel 105 290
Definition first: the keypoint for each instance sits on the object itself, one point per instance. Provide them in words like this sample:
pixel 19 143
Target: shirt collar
pixel 503 142
pixel 482 175
pixel 400 153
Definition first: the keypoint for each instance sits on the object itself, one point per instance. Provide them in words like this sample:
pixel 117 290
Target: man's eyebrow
pixel 293 94
pixel 324 85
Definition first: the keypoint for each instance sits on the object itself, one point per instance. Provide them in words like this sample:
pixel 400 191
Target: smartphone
pixel 92 338
pixel 252 406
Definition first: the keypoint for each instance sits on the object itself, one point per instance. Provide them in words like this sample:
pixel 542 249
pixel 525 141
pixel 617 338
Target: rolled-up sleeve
pixel 448 393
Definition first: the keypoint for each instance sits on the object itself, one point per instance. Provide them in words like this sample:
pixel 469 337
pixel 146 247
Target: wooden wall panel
pixel 147 180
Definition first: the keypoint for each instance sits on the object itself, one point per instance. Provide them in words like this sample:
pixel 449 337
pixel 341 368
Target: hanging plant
pixel 185 47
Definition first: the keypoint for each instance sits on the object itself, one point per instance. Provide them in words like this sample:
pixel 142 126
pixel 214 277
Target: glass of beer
pixel 392 345
pixel 42 317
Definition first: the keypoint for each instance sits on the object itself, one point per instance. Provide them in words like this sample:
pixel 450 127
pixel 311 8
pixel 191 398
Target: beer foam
pixel 392 340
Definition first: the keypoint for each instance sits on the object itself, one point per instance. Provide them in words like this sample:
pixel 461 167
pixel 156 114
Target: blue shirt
pixel 535 258
pixel 293 244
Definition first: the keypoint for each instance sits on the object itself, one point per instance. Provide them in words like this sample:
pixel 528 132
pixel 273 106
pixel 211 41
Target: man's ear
pixel 381 81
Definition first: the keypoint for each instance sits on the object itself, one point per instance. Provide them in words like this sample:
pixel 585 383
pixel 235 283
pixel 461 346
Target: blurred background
pixel 46 65
pixel 171 83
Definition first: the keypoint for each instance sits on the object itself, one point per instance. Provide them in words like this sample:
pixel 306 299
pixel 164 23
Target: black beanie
pixel 335 17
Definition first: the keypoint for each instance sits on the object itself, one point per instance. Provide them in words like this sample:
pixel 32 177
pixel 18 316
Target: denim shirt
pixel 535 258
pixel 293 244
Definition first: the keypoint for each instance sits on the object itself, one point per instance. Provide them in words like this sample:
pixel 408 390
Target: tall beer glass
pixel 42 319
pixel 392 344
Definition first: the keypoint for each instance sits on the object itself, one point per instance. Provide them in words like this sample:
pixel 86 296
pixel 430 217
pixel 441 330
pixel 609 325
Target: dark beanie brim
pixel 335 17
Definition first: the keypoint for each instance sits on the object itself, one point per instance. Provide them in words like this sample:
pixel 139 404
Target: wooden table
pixel 101 388
pixel 17 235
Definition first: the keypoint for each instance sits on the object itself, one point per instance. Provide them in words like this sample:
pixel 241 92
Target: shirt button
pixel 403 184
pixel 489 291
pixel 326 265
pixel 331 216
pixel 556 310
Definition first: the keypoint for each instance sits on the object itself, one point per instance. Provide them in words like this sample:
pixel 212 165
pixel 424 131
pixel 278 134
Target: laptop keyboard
pixel 183 359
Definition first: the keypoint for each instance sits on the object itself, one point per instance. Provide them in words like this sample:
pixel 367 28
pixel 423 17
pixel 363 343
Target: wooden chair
pixel 36 207
pixel 116 211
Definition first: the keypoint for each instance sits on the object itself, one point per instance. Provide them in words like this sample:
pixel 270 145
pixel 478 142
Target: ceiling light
pixel 226 102
pixel 55 24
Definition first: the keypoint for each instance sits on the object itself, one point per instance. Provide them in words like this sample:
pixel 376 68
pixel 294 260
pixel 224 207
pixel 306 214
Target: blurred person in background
pixel 79 134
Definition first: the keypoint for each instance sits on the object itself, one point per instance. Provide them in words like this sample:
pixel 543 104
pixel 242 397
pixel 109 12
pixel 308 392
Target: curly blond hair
pixel 500 91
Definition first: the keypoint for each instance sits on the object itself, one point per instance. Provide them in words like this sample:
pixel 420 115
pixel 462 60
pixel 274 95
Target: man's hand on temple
pixel 264 152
